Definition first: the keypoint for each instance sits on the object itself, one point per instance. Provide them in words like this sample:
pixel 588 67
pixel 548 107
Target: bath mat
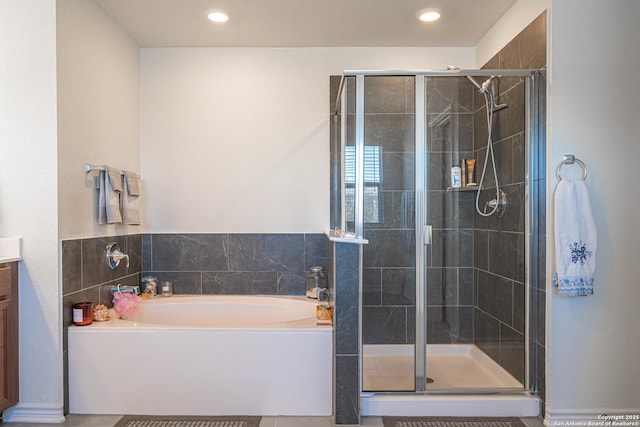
pixel 179 421
pixel 451 422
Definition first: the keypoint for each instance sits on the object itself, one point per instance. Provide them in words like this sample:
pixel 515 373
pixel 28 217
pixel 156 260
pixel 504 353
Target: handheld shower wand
pixel 487 88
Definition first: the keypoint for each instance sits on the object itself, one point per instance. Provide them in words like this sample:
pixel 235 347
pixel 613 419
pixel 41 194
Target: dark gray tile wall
pixel 344 281
pixel 86 277
pixel 499 243
pixel 234 263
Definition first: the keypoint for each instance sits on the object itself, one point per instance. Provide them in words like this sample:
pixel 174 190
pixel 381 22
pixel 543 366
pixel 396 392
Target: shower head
pixel 483 88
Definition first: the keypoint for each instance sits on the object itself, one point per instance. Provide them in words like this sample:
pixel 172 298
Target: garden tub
pixel 204 355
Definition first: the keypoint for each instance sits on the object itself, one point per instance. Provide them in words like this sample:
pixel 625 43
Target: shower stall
pixel 446 309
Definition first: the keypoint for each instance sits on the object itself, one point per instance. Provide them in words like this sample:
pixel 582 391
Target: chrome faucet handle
pixel 113 255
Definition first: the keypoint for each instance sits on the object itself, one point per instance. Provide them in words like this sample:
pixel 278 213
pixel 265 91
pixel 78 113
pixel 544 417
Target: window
pixel 372 181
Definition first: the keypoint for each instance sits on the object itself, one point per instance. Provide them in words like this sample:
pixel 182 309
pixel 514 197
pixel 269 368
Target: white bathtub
pixel 204 355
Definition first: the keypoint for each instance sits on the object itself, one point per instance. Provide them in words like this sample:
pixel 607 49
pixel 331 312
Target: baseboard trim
pixel 34 413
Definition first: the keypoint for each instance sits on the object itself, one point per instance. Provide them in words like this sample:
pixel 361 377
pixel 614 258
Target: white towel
pixel 130 212
pixel 110 187
pixel 575 239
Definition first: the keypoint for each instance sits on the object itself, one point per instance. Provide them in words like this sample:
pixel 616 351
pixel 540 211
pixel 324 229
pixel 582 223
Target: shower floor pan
pixel 450 366
pixel 453 368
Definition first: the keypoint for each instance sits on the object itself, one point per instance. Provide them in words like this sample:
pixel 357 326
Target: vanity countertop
pixel 9 249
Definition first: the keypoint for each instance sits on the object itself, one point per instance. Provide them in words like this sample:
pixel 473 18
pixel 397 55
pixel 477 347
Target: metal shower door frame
pixel 422 229
pixel 421 209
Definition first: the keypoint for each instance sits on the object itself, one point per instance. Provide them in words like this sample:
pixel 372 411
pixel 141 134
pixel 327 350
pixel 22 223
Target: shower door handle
pixel 427 234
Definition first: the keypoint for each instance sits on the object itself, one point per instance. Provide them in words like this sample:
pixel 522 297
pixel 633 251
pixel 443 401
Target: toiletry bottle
pixel 455 176
pixel 471 176
pixel 463 173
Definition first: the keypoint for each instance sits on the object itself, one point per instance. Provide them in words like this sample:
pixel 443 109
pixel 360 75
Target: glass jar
pixel 150 285
pixel 323 297
pixel 315 280
pixel 167 288
pixel 83 313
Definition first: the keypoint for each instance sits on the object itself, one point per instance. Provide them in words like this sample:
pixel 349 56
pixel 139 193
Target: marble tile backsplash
pixel 234 263
pixel 86 276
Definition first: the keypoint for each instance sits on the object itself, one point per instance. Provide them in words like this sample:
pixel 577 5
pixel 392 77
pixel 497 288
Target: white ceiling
pixel 304 23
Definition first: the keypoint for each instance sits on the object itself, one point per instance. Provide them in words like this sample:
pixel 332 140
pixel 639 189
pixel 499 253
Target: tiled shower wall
pixel 499 243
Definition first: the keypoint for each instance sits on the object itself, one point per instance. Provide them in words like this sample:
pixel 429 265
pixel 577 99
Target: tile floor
pixel 110 420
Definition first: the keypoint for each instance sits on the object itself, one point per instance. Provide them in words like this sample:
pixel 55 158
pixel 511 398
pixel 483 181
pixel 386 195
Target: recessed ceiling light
pixel 428 15
pixel 218 16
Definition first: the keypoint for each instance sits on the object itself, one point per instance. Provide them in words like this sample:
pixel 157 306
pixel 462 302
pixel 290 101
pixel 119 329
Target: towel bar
pixel 570 159
pixel 88 168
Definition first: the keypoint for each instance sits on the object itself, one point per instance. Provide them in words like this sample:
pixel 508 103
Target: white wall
pixel 28 196
pixel 237 139
pixel 514 20
pixel 98 112
pixel 594 341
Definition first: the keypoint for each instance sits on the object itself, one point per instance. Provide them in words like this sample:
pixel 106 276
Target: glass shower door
pixel 445 303
pixel 476 294
pixel 450 213
pixel 389 259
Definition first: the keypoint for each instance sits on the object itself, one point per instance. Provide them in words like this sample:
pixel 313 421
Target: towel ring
pixel 570 159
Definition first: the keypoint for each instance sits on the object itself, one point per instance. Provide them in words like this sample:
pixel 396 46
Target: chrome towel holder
pixel 90 168
pixel 570 159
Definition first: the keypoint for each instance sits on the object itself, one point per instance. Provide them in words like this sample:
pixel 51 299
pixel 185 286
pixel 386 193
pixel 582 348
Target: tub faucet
pixel 113 256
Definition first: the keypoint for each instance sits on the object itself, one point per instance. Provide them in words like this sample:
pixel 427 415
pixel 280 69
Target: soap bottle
pixel 455 176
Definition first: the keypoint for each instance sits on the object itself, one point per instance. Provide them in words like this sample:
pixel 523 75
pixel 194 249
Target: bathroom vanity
pixel 8 324
pixel 8 334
